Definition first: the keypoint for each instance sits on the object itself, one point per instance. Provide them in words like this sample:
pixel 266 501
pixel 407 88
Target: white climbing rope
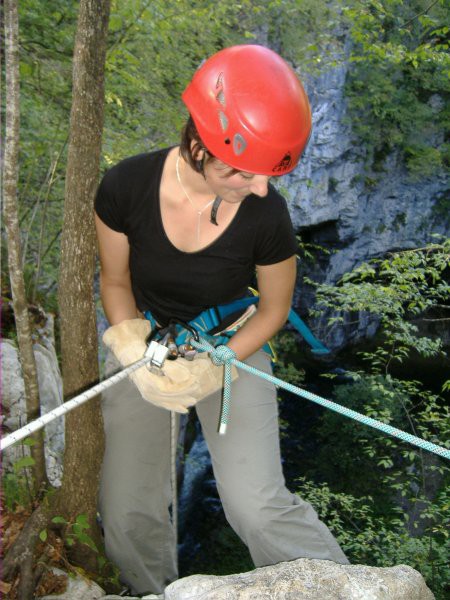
pixel 173 472
pixel 44 420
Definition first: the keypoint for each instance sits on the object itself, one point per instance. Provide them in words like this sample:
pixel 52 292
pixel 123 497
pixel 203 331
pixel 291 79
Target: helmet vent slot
pixel 221 98
pixel 239 144
pixel 219 82
pixel 223 121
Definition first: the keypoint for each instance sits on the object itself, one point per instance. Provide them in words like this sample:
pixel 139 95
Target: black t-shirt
pixel 173 283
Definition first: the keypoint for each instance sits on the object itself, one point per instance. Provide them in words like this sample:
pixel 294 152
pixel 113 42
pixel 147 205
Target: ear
pixel 197 150
pixel 198 153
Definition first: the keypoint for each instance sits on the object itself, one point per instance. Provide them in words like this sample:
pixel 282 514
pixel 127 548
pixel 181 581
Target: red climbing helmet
pixel 250 110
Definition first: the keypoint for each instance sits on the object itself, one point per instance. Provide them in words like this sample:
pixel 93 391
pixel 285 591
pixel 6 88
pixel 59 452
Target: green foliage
pixel 390 467
pixel 384 540
pixel 303 31
pixel 75 531
pixel 387 501
pixel 308 252
pixel 17 485
pixel 285 347
pixel 398 86
pixel 153 49
pixel 399 290
pixel 46 46
pixel 15 490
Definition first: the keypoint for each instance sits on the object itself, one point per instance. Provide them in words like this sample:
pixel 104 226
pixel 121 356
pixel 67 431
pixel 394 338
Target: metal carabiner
pixel 165 347
pixel 186 350
pixel 187 327
pixel 169 342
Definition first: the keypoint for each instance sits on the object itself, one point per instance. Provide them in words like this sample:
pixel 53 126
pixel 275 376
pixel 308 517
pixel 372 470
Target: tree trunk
pixel 10 213
pixel 84 430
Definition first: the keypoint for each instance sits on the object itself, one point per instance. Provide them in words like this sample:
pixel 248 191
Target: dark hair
pixel 190 151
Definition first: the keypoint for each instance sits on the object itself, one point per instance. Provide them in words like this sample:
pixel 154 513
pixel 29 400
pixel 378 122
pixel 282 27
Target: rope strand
pixel 347 412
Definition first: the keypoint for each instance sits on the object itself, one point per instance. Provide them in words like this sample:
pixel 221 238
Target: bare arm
pixel 276 286
pixel 115 282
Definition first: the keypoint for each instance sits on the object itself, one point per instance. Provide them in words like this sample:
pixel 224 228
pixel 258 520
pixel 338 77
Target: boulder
pixel 306 579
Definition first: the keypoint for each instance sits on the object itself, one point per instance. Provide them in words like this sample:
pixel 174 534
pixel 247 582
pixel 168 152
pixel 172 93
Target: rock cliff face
pixel 337 202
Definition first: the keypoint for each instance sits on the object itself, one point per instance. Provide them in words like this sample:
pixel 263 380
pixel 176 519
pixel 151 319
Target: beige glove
pixel 184 382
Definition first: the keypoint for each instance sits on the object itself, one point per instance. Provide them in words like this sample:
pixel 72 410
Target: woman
pixel 181 230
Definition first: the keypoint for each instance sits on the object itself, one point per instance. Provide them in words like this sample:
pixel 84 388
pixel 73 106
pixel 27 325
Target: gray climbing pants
pixel 135 493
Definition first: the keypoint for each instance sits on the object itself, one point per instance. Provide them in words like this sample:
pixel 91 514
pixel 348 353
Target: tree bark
pixel 84 429
pixel 24 545
pixel 10 213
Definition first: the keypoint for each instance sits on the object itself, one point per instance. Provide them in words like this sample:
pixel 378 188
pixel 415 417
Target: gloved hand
pixel 184 382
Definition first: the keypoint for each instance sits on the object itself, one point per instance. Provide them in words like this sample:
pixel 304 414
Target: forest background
pixel 387 503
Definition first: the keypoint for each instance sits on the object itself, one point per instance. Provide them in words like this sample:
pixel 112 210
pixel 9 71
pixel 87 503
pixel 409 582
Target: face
pixel 234 187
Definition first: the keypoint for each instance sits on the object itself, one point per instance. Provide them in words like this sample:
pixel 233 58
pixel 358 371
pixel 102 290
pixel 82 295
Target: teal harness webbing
pixel 207 322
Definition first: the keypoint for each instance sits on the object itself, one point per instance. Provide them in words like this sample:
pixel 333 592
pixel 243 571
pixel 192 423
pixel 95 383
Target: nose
pixel 259 185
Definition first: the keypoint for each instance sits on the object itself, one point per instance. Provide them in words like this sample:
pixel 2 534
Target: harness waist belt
pixel 211 323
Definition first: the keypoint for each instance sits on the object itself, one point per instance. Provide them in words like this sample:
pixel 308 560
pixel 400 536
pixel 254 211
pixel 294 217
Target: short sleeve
pixel 275 239
pixel 107 202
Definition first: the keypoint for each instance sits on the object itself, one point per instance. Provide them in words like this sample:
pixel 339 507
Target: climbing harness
pixel 219 323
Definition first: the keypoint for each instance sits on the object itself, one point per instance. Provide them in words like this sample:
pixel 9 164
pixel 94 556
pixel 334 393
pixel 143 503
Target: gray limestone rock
pixel 14 406
pixel 336 201
pixel 149 597
pixel 306 579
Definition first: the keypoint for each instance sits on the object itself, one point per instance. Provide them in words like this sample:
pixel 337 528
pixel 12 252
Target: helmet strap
pixel 214 209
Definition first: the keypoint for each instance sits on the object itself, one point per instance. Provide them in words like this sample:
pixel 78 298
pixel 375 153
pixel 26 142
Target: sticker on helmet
pixel 284 163
pixel 239 144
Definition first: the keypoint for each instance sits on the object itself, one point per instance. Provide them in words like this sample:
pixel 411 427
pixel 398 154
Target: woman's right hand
pixel 180 383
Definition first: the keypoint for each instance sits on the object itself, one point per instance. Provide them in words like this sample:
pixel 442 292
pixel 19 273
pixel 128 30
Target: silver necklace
pixel 199 212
